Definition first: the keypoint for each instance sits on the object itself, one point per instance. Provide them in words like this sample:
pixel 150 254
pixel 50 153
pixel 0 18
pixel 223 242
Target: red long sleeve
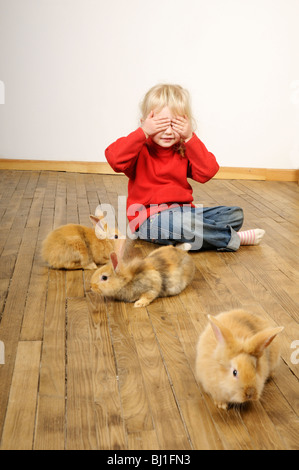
pixel 122 154
pixel 202 163
pixel 159 175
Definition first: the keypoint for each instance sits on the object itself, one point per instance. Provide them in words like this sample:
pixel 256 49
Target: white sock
pixel 251 237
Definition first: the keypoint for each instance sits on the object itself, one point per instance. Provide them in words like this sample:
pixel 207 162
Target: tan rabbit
pixel 165 271
pixel 75 246
pixel 232 364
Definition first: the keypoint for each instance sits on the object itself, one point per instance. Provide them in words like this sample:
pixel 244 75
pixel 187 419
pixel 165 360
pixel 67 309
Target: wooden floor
pixel 84 375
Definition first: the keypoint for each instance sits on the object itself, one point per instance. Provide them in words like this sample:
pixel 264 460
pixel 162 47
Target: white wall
pixel 75 71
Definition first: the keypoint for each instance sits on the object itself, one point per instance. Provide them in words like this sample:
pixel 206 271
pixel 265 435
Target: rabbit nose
pixel 250 393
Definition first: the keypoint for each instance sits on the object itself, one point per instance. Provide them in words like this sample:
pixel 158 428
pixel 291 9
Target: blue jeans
pixel 205 228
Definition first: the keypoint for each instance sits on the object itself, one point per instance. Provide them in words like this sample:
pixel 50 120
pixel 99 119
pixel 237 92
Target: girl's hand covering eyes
pixel 182 126
pixel 152 125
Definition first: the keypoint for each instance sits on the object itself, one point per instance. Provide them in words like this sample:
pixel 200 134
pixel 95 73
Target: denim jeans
pixel 205 228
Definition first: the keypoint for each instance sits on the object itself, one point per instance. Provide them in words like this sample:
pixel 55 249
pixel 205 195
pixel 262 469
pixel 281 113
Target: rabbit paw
pixel 184 246
pixel 91 266
pixel 221 405
pixel 141 303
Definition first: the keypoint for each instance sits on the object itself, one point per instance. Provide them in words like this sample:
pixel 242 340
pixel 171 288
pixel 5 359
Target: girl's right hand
pixel 152 125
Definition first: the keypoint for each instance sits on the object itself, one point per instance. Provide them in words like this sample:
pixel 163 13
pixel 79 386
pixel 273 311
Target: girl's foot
pixel 251 237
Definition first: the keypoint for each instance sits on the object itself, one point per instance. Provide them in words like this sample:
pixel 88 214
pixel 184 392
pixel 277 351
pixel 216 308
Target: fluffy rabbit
pixel 74 246
pixel 231 363
pixel 165 271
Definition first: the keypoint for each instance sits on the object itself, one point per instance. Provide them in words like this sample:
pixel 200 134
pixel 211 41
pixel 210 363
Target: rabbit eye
pixel 235 373
pixel 115 236
pixel 104 278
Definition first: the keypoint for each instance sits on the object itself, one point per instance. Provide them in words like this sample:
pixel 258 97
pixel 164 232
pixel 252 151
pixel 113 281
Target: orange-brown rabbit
pixel 232 361
pixel 75 246
pixel 165 271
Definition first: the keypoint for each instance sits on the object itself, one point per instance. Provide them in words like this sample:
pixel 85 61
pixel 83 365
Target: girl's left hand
pixel 182 126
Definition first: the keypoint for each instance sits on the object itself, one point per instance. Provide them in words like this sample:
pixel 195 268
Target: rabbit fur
pixel 165 271
pixel 236 356
pixel 75 246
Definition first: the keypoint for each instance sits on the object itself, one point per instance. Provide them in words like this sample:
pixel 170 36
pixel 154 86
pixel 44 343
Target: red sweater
pixel 158 175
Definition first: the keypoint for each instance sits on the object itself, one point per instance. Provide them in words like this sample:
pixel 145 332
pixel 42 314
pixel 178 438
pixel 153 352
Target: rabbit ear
pixel 120 246
pixel 260 341
pixel 99 213
pixel 100 226
pixel 114 260
pixel 95 218
pixel 117 255
pixel 222 334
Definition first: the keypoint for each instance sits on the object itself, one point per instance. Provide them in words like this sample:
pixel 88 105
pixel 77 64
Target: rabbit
pixel 231 363
pixel 165 271
pixel 75 246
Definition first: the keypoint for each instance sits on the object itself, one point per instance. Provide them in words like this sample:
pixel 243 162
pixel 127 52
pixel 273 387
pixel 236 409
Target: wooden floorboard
pixel 81 373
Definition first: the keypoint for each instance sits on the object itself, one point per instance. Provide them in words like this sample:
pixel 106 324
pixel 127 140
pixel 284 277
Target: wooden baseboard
pixel 49 165
pixel 262 174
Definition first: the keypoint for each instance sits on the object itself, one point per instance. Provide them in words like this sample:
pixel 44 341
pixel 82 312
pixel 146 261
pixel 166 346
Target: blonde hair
pixel 175 97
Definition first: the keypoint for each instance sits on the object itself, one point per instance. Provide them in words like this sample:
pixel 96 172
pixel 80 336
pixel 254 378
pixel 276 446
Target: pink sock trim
pixel 247 237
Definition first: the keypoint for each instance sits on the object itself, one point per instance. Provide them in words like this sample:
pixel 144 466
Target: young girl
pixel 158 157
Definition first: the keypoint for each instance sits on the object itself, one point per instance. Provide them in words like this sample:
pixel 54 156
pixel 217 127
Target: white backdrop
pixel 75 72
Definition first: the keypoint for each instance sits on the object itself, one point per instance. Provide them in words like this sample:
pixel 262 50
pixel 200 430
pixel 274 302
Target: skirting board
pixel 262 174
